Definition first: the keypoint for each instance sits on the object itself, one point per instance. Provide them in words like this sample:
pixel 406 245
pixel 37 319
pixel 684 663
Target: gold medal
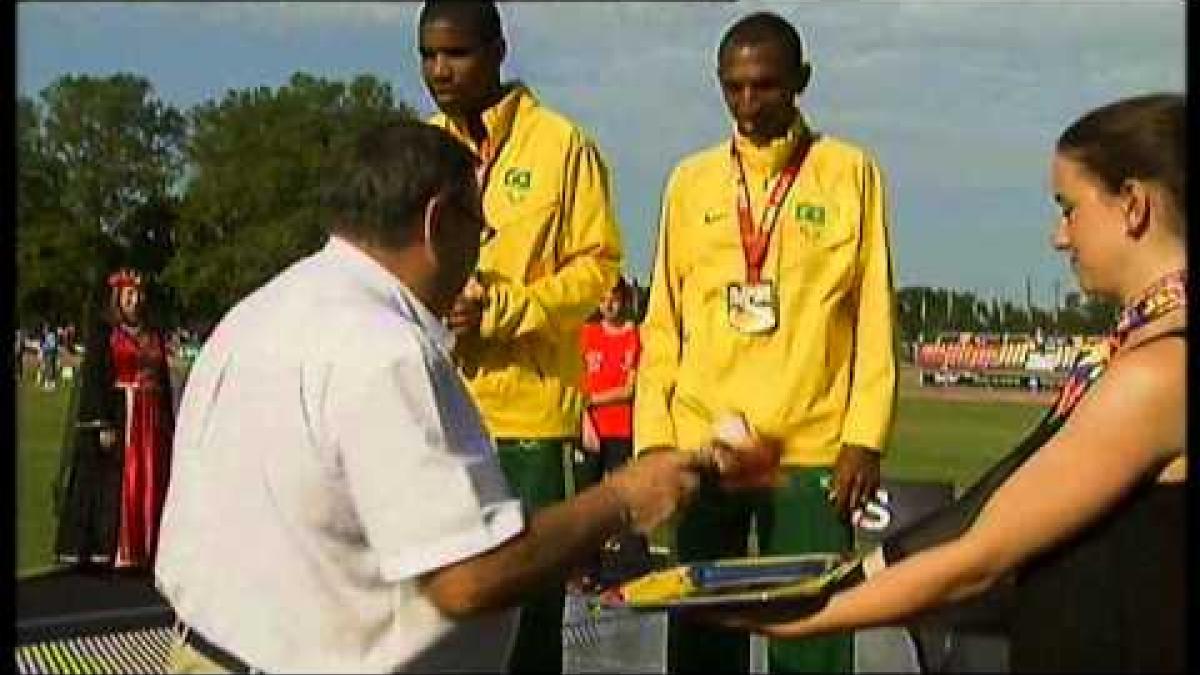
pixel 752 309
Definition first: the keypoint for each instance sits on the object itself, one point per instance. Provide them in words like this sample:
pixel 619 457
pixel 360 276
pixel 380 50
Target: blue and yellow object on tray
pixel 733 582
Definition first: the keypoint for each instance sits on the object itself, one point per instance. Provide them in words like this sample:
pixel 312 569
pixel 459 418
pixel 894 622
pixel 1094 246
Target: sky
pixel 959 100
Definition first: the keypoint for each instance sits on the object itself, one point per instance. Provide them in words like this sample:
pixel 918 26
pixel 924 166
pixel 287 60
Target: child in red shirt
pixel 611 349
pixel 610 353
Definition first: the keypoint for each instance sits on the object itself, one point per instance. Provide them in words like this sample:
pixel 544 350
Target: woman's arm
pixel 1130 425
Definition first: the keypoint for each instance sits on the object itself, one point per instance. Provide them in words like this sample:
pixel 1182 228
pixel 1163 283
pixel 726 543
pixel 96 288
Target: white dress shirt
pixel 326 455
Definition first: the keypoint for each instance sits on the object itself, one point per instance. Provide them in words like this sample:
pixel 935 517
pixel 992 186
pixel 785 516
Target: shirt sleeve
pixel 427 493
pixel 661 335
pixel 872 399
pixel 588 262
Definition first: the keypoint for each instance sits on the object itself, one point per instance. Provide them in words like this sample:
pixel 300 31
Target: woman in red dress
pixel 140 372
pixel 117 478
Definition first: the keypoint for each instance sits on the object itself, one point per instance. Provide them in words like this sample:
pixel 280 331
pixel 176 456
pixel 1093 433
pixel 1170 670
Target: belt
pixel 214 653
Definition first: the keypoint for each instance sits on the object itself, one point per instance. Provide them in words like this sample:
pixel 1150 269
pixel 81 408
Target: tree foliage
pixel 924 312
pixel 210 202
pixel 251 203
pixel 44 246
pixel 94 155
pixel 214 201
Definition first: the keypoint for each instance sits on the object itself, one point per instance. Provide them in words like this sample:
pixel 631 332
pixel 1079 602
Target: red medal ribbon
pixel 756 240
pixel 488 153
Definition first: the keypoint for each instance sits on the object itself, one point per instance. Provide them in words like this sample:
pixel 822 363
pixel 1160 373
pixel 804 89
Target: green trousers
pixel 794 518
pixel 534 469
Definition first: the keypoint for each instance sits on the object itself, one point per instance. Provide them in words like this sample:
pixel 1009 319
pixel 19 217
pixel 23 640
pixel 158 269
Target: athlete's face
pixel 459 68
pixel 760 82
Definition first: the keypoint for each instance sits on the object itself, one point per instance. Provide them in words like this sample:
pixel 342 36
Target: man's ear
pixel 803 74
pixel 501 48
pixel 431 217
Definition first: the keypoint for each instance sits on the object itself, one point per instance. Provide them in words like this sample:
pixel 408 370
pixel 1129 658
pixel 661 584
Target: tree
pixel 255 160
pixel 43 246
pixel 96 158
pixel 1099 316
pixel 909 302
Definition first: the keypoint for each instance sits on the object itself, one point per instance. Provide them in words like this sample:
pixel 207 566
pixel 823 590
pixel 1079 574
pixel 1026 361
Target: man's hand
pixel 855 478
pixel 748 465
pixel 467 312
pixel 742 457
pixel 655 486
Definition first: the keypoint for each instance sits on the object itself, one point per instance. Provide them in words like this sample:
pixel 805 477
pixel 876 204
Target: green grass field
pixel 933 440
pixel 953 440
pixel 40 417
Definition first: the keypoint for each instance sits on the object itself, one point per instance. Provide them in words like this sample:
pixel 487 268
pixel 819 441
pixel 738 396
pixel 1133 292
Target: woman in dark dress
pixel 1086 516
pixel 116 479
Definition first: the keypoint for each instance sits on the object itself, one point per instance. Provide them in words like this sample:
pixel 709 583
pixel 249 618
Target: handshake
pixel 663 479
pixel 738 457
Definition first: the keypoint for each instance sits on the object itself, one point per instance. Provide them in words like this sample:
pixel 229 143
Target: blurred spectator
pixel 19 355
pixel 48 358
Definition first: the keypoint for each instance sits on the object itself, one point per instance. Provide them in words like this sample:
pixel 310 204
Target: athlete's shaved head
pixel 477 16
pixel 764 28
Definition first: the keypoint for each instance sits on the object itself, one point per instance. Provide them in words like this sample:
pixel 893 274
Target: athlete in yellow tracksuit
pixel 826 377
pixel 822 379
pixel 555 252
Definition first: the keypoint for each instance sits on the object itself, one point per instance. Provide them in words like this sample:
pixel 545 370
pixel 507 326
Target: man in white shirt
pixel 336 504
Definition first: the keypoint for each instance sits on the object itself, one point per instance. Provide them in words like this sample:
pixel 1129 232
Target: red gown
pixel 140 368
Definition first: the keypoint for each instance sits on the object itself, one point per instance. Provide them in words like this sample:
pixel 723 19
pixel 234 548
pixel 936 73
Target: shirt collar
pixel 773 156
pixel 498 119
pixel 376 277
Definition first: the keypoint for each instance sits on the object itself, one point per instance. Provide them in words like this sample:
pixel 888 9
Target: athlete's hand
pixel 743 458
pixel 855 478
pixel 467 313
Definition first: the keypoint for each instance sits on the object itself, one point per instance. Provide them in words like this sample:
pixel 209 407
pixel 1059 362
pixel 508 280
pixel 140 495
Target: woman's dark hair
pixel 378 185
pixel 1140 137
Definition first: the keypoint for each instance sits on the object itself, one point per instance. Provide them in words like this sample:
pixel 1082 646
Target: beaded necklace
pixel 1161 297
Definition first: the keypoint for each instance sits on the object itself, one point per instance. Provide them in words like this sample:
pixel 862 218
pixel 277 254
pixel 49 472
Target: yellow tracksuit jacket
pixel 827 375
pixel 556 251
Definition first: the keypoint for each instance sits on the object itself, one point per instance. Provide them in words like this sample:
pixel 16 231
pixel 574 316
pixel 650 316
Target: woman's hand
pixel 779 619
